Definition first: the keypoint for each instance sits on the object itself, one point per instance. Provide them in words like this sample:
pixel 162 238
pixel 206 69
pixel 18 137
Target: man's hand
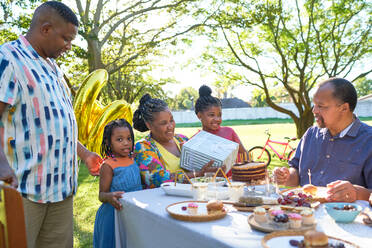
pixel 93 162
pixel 7 175
pixel 91 159
pixel 281 175
pixel 341 191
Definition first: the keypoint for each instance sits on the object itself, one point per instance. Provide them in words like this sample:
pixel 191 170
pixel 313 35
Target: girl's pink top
pixel 227 133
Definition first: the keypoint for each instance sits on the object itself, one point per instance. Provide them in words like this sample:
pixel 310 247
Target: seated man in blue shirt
pixel 338 152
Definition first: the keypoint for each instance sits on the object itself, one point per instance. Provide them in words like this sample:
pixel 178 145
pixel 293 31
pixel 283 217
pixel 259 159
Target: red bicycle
pixel 259 153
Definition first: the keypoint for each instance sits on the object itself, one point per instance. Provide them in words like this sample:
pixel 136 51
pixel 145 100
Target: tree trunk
pixel 94 55
pixel 305 121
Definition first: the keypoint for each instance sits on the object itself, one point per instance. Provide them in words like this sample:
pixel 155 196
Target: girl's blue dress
pixel 127 179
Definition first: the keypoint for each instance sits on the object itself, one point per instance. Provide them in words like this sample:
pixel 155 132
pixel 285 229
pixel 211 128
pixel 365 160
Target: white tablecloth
pixel 144 222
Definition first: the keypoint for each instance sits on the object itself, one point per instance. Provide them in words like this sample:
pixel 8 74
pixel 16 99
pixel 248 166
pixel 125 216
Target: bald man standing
pixel 38 131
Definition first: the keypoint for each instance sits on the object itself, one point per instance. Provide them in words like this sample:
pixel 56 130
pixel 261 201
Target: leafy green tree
pixel 124 38
pixel 131 85
pixel 363 87
pixel 291 44
pixel 184 100
pixel 224 85
pixel 258 98
pixel 12 22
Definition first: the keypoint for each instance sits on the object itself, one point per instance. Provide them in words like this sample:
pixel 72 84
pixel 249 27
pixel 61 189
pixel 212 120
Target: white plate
pixel 219 193
pixel 179 189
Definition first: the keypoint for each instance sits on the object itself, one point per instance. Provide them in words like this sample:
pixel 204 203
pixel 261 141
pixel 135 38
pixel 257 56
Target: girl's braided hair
pixel 106 150
pixel 206 100
pixel 146 110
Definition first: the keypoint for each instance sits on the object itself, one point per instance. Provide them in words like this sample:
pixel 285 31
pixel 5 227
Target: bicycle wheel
pixel 291 154
pixel 260 154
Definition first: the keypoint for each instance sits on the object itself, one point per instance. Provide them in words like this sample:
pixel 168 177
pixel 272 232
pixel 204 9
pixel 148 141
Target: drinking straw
pixel 223 173
pixel 175 178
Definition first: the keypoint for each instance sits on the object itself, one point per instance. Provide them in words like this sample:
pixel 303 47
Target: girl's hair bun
pixel 146 97
pixel 204 90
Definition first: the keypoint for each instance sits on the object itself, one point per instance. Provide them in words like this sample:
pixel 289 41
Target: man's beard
pixel 320 121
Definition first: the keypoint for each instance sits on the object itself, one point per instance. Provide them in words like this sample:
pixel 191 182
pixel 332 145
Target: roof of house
pixel 365 98
pixel 234 103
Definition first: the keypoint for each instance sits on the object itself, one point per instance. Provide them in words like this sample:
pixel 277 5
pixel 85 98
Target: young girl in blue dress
pixel 118 174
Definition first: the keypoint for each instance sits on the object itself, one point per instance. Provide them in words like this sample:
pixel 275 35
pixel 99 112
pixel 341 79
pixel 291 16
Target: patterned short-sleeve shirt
pixel 38 130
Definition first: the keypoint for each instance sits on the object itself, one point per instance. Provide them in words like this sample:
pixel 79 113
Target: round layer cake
pixel 249 172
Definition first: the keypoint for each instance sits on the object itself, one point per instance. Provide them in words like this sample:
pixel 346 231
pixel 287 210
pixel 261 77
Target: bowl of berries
pixel 343 212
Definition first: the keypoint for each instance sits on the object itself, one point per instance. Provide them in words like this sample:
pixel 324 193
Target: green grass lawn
pixel 86 200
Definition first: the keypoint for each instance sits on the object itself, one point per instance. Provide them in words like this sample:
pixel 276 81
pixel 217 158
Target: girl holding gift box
pixel 209 111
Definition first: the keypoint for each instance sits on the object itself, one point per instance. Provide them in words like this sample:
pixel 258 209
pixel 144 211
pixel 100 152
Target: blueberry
pixel 294 242
pixel 340 245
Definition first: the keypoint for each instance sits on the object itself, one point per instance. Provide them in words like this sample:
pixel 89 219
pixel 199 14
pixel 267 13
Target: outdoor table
pixel 144 222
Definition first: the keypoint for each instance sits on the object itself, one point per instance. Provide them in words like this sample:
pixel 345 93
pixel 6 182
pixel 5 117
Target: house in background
pixel 234 102
pixel 367 98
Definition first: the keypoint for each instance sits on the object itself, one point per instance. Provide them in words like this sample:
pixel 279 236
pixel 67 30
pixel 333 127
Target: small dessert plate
pixel 179 211
pixel 270 227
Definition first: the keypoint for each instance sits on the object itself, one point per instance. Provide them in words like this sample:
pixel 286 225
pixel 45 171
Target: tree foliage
pixel 224 85
pixel 363 87
pixel 292 45
pixel 258 98
pixel 124 37
pixel 14 22
pixel 184 100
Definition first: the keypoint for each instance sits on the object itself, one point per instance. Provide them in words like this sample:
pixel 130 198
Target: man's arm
pixel 6 173
pixel 91 159
pixel 289 176
pixel 362 193
pixel 293 179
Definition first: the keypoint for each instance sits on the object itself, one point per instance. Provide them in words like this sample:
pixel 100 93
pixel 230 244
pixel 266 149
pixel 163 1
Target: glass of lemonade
pixel 199 191
pixel 236 190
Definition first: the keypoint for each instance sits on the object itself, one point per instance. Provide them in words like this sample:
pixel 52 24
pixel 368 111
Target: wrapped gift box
pixel 204 147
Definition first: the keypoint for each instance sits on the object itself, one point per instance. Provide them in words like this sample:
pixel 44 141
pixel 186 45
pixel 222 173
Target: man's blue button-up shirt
pixel 330 158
